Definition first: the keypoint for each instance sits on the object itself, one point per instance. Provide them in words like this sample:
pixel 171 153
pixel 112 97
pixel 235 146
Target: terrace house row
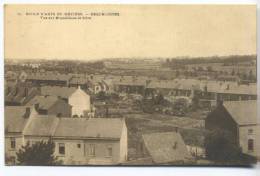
pixel 77 141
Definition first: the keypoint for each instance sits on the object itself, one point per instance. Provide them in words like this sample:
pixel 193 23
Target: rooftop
pixel 63 92
pixel 90 128
pixel 49 76
pixel 45 102
pixel 42 126
pixel 15 118
pixel 166 147
pixel 243 112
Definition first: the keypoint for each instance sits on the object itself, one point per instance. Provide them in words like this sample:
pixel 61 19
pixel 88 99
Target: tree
pixel 251 76
pixel 180 106
pixel 209 68
pixel 38 154
pixel 221 147
pixel 195 102
pixel 159 99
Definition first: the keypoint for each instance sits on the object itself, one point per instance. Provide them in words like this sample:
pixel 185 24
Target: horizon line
pixel 99 59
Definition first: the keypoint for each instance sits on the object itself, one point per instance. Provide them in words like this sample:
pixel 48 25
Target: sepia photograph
pixel 130 85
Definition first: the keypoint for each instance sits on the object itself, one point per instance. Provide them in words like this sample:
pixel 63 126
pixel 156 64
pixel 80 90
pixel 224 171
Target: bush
pixel 39 154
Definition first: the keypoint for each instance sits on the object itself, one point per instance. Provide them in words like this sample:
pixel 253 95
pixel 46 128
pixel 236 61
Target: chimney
pixel 175 145
pixel 16 90
pixel 205 88
pixel 27 112
pixel 25 91
pixel 227 87
pixel 219 102
pixel 36 106
pixel 176 129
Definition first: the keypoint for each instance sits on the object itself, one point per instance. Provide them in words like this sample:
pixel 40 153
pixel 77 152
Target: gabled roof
pixel 90 128
pixel 42 126
pixel 185 84
pixel 166 147
pixel 243 112
pixel 79 80
pixel 45 102
pixel 19 93
pixel 63 92
pixel 14 118
pixel 231 88
pixel 130 81
pixel 49 76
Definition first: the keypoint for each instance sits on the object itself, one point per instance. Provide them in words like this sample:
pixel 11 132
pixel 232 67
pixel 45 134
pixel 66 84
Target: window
pixel 92 150
pixel 62 148
pixel 250 145
pixel 250 131
pixel 13 143
pixel 109 151
pixel 78 145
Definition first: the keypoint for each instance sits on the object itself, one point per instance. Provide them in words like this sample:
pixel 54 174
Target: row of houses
pixel 208 92
pixel 78 141
pixel 136 84
pixel 94 141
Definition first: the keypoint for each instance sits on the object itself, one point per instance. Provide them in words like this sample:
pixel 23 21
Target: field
pixel 192 130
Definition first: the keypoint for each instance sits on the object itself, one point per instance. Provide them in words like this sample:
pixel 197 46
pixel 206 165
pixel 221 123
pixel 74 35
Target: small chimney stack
pixel 36 106
pixel 25 91
pixel 175 145
pixel 176 129
pixel 27 112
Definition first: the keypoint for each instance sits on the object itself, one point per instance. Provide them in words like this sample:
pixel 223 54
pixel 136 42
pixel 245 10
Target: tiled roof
pixel 78 80
pixel 42 126
pixel 231 88
pixel 63 92
pixel 49 76
pixel 90 128
pixel 19 93
pixel 130 81
pixel 243 112
pixel 166 147
pixel 14 118
pixel 212 86
pixel 185 84
pixel 45 102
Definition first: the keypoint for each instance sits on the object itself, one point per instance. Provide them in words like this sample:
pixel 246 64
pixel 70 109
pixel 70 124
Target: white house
pixel 76 97
pixel 80 102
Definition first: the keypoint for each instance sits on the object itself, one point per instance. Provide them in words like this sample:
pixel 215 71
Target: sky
pixel 139 31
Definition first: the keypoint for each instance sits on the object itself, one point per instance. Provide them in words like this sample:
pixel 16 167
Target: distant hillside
pixel 225 60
